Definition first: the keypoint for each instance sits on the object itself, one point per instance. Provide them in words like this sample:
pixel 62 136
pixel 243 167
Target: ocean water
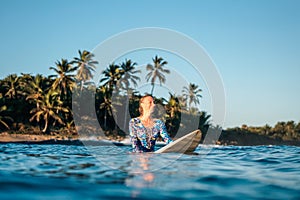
pixel 35 171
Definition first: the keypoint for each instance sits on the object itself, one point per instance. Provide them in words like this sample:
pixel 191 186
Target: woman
pixel 144 130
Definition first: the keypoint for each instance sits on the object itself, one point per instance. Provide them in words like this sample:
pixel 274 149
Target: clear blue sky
pixel 254 43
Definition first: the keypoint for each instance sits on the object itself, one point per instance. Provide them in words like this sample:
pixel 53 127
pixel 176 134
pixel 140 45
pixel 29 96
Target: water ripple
pixel 76 172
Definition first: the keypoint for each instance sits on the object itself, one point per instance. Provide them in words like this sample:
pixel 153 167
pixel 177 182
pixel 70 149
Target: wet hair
pixel 140 102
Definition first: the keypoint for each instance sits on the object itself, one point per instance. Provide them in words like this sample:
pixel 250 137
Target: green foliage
pixel 173 115
pixel 34 100
pixel 85 66
pixel 4 118
pixel 191 95
pixel 64 79
pixel 49 108
pixel 111 76
pixel 156 71
pixel 283 131
pixel 129 75
pixel 46 102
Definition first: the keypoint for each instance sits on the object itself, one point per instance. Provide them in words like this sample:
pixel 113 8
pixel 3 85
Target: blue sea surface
pixel 35 171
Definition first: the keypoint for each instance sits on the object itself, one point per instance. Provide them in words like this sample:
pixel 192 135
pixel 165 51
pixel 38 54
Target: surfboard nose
pixel 185 144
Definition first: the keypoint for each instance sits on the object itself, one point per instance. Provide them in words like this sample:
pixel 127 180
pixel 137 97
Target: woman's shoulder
pixel 135 120
pixel 158 121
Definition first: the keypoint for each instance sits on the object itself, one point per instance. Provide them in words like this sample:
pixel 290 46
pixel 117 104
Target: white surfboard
pixel 185 144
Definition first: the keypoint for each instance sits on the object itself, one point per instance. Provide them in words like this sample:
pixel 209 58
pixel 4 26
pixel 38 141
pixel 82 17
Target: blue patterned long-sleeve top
pixel 143 139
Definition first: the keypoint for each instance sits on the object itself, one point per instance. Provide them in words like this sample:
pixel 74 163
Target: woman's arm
pixel 164 132
pixel 132 134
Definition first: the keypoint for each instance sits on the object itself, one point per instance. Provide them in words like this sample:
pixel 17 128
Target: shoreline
pixel 19 138
pixel 56 138
pixel 33 137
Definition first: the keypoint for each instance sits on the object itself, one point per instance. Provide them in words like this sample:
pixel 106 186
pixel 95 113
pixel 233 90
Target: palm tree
pixel 36 89
pixel 297 128
pixel 173 115
pixel 182 103
pixel 191 94
pixel 204 122
pixel 157 71
pixel 266 129
pixel 24 82
pixel 3 118
pixel 173 105
pixel 134 99
pixel 49 109
pixel 111 76
pixel 128 68
pixel 64 81
pixel 290 128
pixel 13 91
pixel 279 128
pixel 128 76
pixel 105 104
pixel 86 66
pixel 12 86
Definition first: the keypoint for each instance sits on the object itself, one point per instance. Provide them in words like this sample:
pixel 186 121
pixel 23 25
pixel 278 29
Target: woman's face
pixel 148 104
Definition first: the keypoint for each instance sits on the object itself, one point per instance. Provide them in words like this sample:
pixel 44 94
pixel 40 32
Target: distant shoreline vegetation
pixel 282 133
pixel 36 104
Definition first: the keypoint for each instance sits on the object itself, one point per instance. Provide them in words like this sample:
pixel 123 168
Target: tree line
pixel 285 131
pixel 37 102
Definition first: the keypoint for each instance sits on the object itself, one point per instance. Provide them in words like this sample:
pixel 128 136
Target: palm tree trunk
pixel 46 127
pixel 152 89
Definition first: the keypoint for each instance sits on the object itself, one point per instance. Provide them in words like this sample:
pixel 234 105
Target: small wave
pixel 38 171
